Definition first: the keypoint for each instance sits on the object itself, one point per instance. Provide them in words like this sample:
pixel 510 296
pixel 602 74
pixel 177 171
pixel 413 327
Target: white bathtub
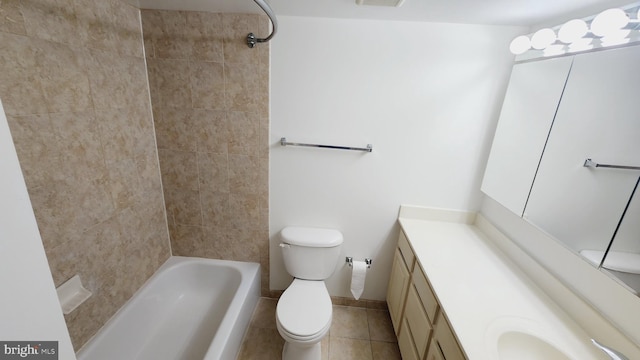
pixel 190 309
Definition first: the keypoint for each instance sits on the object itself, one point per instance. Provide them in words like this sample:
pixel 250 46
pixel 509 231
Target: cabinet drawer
pixel 418 322
pixel 407 348
pixel 426 294
pixel 446 340
pixel 405 249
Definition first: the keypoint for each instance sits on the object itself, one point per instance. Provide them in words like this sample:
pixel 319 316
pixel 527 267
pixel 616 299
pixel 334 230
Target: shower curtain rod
pixel 251 38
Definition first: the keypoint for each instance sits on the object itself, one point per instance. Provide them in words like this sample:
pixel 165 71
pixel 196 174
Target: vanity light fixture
pixel 581 45
pixel 554 50
pixel 618 37
pixel 611 27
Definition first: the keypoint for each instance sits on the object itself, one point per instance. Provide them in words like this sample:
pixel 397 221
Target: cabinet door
pixel 434 352
pixel 527 113
pixel 417 321
pixel 598 118
pixel 425 293
pixel 397 290
pixel 405 343
pixel 446 340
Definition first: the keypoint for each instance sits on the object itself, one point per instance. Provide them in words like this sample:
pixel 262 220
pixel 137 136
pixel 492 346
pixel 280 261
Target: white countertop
pixel 482 293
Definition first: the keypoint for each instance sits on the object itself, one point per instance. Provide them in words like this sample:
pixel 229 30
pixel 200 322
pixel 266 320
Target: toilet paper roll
pixel 358 274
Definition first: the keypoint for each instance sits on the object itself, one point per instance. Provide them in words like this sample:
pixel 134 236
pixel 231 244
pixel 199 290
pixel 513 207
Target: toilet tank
pixel 310 253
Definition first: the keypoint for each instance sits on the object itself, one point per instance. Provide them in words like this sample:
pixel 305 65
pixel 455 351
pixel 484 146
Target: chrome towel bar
pixel 284 142
pixel 591 163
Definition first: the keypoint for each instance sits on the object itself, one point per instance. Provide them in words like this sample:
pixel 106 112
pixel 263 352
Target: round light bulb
pixel 609 21
pixel 543 38
pixel 520 45
pixel 572 30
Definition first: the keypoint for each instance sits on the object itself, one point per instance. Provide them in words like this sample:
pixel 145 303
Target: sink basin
pixel 516 338
pixel 515 345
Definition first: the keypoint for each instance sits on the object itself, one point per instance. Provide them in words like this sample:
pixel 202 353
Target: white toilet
pixel 304 311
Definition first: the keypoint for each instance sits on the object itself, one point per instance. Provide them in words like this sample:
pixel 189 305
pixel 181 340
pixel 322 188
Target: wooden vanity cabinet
pixel 422 329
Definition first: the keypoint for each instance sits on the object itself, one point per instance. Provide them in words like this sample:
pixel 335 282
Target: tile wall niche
pixel 210 96
pixel 74 86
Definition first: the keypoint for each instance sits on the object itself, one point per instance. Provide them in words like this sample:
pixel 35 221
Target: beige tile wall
pixel 74 86
pixel 210 96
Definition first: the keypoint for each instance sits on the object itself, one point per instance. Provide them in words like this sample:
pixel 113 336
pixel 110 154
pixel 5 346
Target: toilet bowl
pixel 303 318
pixel 304 311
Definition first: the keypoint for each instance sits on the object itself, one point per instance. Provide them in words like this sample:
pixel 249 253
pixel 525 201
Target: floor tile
pixel 264 316
pixel 385 350
pixel 380 326
pixel 350 322
pixel 324 352
pixel 349 349
pixel 262 344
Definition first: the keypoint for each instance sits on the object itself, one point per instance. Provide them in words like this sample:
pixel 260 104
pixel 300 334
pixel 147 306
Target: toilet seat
pixel 302 340
pixel 304 311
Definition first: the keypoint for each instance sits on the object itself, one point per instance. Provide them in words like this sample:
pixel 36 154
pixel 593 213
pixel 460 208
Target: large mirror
pixel 527 113
pixel 597 118
pixel 593 210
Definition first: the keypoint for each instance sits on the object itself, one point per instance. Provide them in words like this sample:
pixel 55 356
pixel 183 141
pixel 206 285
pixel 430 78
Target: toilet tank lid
pixel 311 237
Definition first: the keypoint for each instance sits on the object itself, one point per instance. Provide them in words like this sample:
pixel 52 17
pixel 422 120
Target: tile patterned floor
pixel 355 334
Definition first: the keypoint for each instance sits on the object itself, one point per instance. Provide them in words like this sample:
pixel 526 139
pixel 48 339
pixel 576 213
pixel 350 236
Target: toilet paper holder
pixel 368 261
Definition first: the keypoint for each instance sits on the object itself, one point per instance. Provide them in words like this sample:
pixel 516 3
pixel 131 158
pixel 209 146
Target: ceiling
pixel 490 12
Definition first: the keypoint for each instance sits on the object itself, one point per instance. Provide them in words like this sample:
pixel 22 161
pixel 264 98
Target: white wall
pixel 426 95
pixel 29 307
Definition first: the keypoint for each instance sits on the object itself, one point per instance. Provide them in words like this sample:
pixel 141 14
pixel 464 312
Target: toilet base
pixel 301 352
